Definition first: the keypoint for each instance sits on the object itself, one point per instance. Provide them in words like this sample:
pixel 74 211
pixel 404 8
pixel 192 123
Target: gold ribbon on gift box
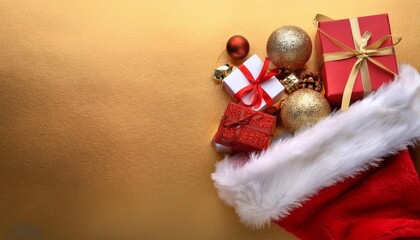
pixel 362 52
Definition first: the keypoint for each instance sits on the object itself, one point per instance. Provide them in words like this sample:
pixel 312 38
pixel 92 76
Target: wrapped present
pixel 244 130
pixel 253 85
pixel 358 56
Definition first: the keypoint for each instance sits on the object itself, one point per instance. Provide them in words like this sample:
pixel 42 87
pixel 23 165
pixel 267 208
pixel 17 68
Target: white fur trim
pixel 271 184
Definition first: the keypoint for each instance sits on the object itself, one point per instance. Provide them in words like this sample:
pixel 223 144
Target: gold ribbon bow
pixel 362 52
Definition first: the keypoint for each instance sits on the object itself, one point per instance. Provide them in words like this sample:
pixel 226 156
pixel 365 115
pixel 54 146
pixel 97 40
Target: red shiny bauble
pixel 237 47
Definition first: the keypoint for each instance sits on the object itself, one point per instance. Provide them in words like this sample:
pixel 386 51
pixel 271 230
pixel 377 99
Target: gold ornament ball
pixel 302 109
pixel 289 47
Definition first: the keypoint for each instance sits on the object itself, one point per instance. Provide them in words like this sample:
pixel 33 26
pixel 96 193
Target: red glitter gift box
pixel 244 130
pixel 370 64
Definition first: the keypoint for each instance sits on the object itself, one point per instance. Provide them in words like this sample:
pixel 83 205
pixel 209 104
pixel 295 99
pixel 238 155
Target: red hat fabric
pixel 382 203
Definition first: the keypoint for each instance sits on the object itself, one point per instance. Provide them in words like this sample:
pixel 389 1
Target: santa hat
pixel 341 179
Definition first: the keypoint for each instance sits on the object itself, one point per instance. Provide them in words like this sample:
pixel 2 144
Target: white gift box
pixel 236 81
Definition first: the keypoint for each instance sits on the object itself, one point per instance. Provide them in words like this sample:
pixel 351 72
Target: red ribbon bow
pixel 258 92
pixel 243 119
pixel 242 122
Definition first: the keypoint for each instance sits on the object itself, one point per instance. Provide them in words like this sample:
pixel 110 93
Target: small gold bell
pixel 221 72
pixel 290 83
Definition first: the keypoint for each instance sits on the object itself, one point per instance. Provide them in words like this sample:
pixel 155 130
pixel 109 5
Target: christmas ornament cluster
pixel 281 86
pixel 248 126
pixel 348 176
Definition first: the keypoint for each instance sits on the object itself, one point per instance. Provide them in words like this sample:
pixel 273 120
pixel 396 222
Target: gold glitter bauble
pixel 289 47
pixel 303 108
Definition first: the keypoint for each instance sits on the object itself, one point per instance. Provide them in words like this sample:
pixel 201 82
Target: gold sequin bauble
pixel 303 108
pixel 289 47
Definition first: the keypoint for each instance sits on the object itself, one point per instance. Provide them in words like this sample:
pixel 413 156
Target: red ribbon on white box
pixel 258 92
pixel 253 84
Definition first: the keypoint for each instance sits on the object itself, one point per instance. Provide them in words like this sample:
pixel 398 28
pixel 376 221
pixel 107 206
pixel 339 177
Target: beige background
pixel 107 110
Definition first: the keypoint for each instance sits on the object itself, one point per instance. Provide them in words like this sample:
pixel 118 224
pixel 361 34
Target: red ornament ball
pixel 237 47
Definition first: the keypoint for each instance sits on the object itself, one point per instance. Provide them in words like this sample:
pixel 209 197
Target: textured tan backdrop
pixel 107 109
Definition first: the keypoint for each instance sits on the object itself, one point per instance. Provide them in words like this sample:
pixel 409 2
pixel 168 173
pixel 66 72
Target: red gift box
pixel 380 62
pixel 244 130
